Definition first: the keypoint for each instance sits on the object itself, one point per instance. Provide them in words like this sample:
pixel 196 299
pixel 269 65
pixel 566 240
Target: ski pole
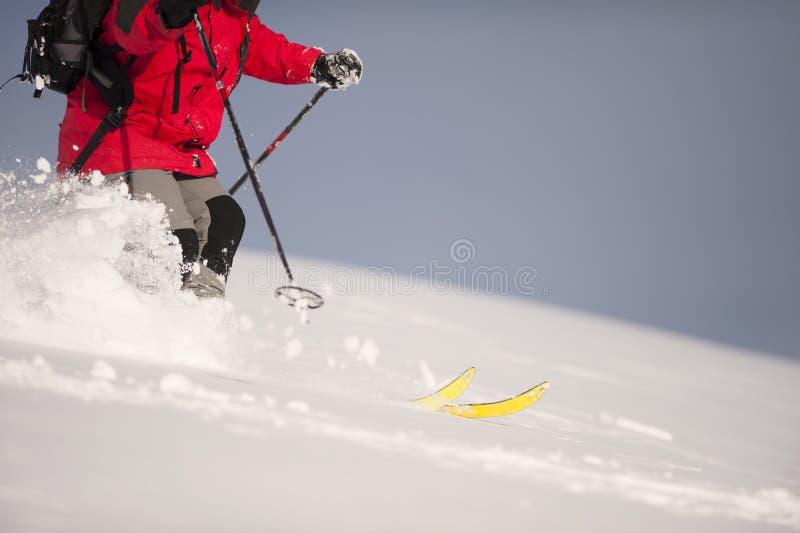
pixel 280 138
pixel 291 293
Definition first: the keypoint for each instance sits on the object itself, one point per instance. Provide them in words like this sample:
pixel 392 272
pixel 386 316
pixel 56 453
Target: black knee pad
pixel 224 233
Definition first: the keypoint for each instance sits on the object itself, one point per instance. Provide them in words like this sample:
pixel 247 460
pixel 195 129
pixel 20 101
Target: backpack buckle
pixel 116 116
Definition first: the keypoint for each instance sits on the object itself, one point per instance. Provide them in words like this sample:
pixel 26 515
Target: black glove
pixel 338 70
pixel 178 13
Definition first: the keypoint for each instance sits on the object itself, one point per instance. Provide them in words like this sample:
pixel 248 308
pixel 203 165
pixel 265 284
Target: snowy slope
pixel 142 409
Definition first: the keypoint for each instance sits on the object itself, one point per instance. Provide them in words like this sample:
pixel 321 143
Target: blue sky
pixel 643 156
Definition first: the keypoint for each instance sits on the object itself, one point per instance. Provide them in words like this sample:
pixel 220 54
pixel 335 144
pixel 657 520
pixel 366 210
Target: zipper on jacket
pixel 196 139
pixel 176 88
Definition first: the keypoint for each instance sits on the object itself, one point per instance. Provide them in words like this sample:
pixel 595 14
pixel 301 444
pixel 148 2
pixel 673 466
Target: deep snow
pixel 129 406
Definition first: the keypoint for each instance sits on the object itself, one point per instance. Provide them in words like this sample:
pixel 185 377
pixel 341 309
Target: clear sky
pixel 642 156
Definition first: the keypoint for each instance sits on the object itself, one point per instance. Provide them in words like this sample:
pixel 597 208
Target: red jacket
pixel 152 136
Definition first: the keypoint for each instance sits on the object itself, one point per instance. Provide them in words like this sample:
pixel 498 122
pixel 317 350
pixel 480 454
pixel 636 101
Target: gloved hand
pixel 338 70
pixel 178 13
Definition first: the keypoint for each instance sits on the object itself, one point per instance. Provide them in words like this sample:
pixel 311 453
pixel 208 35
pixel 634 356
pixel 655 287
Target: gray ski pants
pixel 207 221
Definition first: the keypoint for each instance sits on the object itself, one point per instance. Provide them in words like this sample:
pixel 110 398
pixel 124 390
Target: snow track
pixel 129 406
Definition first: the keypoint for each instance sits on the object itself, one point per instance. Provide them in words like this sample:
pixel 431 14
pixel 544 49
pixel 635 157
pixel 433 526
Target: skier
pixel 176 113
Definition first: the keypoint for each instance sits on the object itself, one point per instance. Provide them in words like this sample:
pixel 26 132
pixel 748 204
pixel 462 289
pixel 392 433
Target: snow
pixel 298 406
pixel 302 307
pixel 637 427
pixel 593 460
pixel 175 383
pixel 126 405
pixel 428 377
pixel 97 178
pixel 102 370
pixel 368 352
pixel 294 348
pixel 92 269
pixel 351 344
pixel 44 167
pixel 365 350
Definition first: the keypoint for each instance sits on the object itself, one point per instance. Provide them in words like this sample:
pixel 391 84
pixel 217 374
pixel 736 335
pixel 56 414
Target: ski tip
pixel 539 389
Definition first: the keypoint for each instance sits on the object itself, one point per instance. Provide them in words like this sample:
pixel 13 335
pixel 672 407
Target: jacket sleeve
pixel 137 26
pixel 273 58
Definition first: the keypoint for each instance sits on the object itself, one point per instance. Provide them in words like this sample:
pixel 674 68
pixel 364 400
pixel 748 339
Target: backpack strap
pixel 112 120
pixel 117 92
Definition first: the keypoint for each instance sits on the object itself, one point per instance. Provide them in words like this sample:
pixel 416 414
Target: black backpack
pixel 63 48
pixel 59 41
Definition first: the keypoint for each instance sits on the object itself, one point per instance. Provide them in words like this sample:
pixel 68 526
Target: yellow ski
pixel 448 393
pixel 505 407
